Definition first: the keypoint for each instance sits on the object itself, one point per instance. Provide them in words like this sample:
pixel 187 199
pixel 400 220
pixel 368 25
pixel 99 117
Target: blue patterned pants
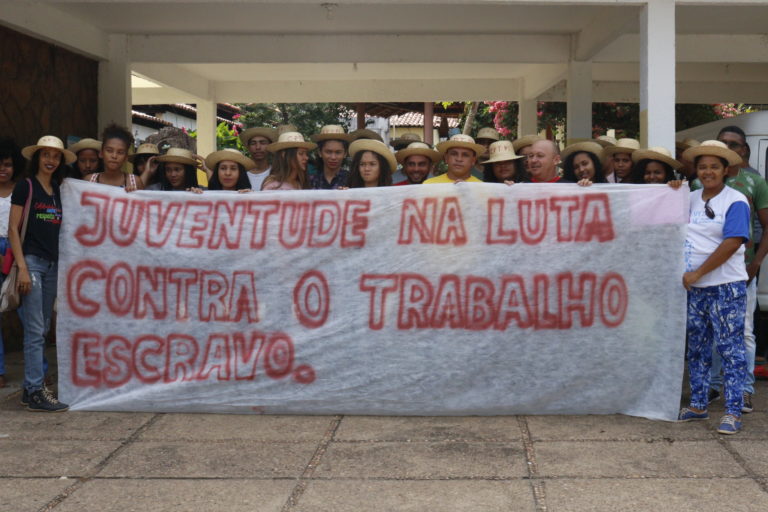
pixel 716 316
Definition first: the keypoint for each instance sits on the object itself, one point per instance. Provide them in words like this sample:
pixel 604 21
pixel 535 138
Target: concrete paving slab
pixel 412 496
pixel 423 460
pixel 635 459
pixel 201 427
pixel 755 453
pixel 613 427
pixel 179 495
pixel 653 495
pixel 231 459
pixel 84 426
pixel 392 428
pixel 52 458
pixel 29 494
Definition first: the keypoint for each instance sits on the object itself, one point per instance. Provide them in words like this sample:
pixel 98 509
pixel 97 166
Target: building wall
pixel 45 90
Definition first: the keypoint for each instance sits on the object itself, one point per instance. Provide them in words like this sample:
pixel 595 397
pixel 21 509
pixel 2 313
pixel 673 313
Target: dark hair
pixel 385 170
pixel 242 179
pixel 284 162
pixel 733 129
pixel 9 149
pixel 490 177
pixel 638 171
pixel 75 167
pixel 190 176
pixel 114 131
pixel 569 174
pixel 722 160
pixel 33 166
pixel 139 160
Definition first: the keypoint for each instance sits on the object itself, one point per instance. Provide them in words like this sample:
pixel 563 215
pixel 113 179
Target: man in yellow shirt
pixel 460 154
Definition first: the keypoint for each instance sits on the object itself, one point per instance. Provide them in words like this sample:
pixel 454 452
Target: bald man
pixel 543 158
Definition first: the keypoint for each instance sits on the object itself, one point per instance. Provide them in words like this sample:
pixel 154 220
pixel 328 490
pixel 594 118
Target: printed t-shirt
pixel 705 235
pixel 42 238
pixel 755 189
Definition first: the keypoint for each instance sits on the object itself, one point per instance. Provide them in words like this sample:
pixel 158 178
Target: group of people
pixel 729 200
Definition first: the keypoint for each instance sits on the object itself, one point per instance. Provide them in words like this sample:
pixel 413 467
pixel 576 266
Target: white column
pixel 114 87
pixel 579 98
pixel 206 127
pixel 527 117
pixel 657 74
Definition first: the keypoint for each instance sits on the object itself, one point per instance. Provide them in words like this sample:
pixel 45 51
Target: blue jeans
pixel 35 313
pixel 750 346
pixel 716 317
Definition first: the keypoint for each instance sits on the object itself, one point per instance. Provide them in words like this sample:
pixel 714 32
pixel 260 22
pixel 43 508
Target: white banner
pixel 423 300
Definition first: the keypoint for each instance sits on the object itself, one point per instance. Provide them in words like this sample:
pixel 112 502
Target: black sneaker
pixel 713 395
pixel 746 405
pixel 43 401
pixel 24 397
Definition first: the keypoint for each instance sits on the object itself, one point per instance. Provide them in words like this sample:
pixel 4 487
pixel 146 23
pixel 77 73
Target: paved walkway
pixel 83 461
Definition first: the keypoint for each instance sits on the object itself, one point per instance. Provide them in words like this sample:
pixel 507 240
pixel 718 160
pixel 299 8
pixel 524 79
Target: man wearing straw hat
pixel 460 154
pixel 621 155
pixel 331 170
pixel 256 141
pixel 418 161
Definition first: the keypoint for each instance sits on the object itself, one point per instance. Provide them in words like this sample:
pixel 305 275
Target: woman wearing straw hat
pixel 331 169
pixel 654 165
pixel 715 278
pixel 88 161
pixel 37 200
pixel 144 163
pixel 11 165
pixel 229 171
pixel 177 171
pixel 290 155
pixel 116 141
pixel 581 161
pixel 503 165
pixel 372 164
pixel 621 158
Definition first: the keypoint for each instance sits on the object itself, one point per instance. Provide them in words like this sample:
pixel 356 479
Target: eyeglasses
pixel 708 211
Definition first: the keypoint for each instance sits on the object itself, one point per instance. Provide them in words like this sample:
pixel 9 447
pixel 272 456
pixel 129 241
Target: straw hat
pixel 656 153
pixel 377 147
pixel 501 151
pixel 622 146
pixel 488 133
pixel 268 133
pixel 178 155
pixel 229 154
pixel 290 140
pixel 684 144
pixel 52 142
pixel 582 147
pixel 606 140
pixel 364 133
pixel 404 140
pixel 144 149
pixel 332 132
pixel 85 144
pixel 712 148
pixel 418 148
pixel 461 141
pixel 525 140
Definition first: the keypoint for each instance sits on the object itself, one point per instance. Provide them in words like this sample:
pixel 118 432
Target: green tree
pixel 307 117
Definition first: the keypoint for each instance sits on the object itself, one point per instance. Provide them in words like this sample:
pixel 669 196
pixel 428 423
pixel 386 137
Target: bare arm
pixel 725 250
pixel 762 250
pixel 14 224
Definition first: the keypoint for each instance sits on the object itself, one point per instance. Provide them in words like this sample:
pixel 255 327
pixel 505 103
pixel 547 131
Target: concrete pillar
pixel 657 74
pixel 114 87
pixel 527 117
pixel 206 127
pixel 429 123
pixel 579 98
